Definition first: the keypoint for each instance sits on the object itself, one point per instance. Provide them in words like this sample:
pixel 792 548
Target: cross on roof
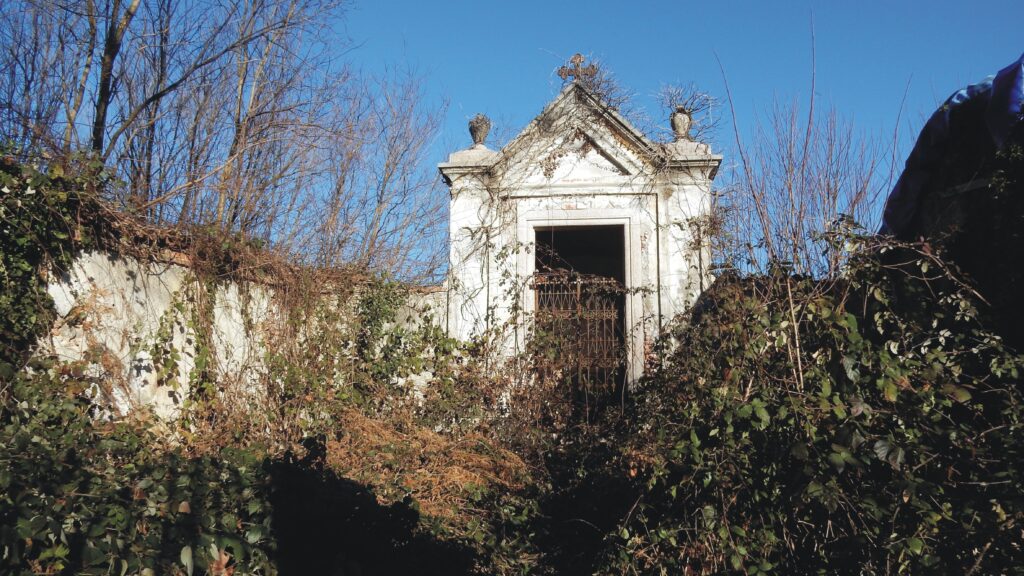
pixel 576 69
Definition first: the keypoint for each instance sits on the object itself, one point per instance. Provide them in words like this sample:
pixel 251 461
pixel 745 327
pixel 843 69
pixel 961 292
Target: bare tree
pixel 45 61
pixel 240 116
pixel 118 19
pixel 804 172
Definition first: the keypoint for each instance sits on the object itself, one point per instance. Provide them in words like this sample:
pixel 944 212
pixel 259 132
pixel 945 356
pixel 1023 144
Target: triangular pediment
pixel 580 159
pixel 576 139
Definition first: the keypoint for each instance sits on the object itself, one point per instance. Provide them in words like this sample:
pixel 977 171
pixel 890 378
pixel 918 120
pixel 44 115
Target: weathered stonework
pixel 114 311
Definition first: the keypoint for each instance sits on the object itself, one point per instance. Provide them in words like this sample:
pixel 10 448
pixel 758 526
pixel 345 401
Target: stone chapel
pixel 580 218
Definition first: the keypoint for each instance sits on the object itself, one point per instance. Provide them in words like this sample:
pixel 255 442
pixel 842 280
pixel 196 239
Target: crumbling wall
pixel 142 326
pixel 150 329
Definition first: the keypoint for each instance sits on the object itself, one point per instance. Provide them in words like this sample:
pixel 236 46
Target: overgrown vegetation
pixel 38 219
pixel 866 422
pixel 83 496
pixel 870 426
pixel 345 452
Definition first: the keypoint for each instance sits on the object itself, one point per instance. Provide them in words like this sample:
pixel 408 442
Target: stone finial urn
pixel 681 122
pixel 479 126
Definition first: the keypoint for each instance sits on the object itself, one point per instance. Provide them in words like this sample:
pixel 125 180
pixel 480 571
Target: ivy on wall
pixel 39 232
pixel 80 494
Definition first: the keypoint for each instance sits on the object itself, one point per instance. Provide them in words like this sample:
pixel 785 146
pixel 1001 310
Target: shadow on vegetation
pixel 329 525
pixel 588 502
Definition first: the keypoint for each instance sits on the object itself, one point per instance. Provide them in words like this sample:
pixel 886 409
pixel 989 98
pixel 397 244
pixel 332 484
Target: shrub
pixel 866 426
pixel 79 495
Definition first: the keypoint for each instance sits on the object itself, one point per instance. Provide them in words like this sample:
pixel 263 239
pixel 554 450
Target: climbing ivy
pixel 80 494
pixel 39 232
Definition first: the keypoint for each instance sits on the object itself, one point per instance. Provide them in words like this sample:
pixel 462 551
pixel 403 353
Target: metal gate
pixel 580 319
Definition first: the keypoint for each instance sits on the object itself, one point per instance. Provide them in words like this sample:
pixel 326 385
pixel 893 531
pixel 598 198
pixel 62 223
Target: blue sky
pixel 499 58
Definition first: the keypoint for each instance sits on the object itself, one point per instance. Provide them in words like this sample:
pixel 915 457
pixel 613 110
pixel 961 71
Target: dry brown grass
pixel 439 472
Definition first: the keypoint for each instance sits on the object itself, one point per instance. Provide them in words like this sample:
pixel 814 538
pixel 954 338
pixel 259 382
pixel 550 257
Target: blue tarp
pixel 992 108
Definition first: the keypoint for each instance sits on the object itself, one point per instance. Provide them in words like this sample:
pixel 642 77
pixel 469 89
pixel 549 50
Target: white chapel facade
pixel 582 186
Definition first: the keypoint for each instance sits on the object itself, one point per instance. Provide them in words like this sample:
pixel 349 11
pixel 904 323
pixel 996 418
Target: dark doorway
pixel 580 296
pixel 587 250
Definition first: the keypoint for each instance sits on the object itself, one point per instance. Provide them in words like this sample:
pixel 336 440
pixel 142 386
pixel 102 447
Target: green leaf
pixel 961 394
pixel 229 521
pixel 850 367
pixel 762 414
pixel 93 556
pixel 59 551
pixel 896 458
pixel 889 390
pixel 915 545
pixel 837 460
pixel 858 406
pixel 31 528
pixel 813 489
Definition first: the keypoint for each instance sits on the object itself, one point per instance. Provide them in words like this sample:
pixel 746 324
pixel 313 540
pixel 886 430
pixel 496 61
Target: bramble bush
pixel 870 425
pixel 79 495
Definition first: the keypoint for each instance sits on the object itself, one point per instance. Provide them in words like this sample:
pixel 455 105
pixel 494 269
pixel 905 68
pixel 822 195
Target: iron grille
pixel 580 317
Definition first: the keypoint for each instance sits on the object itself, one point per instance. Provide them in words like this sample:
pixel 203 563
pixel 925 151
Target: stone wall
pixel 131 320
pixel 143 326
